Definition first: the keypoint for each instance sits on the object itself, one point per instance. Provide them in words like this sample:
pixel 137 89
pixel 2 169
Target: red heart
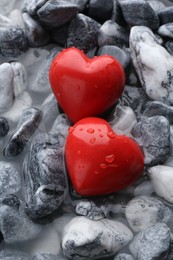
pixel 99 161
pixel 85 87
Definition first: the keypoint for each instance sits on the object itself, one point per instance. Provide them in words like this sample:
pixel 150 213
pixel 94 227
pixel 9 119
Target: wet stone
pixel 166 30
pixel 156 108
pixel 10 254
pixel 44 256
pixel 19 79
pixel 13 41
pixel 152 243
pixel 56 13
pixel 153 64
pixel 122 256
pixel 111 33
pixel 139 13
pixel 116 52
pixel 15 225
pixel 166 15
pixel 36 35
pixel 100 10
pixel 44 176
pixel 145 211
pixel 88 239
pixel 83 32
pixel 4 127
pixel 153 134
pixel 27 125
pixel 9 178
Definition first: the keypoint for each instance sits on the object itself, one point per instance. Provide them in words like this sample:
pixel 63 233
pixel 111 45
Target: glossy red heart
pixel 85 87
pixel 99 161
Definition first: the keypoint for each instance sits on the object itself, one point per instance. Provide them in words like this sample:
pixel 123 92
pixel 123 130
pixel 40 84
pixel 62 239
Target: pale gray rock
pixel 4 127
pixel 88 239
pixel 6 86
pixel 156 108
pixel 57 12
pixel 156 5
pixel 16 17
pixel 14 224
pixel 166 30
pixel 139 13
pixel 10 181
pixel 152 243
pixel 44 176
pixel 153 135
pixel 166 15
pixel 44 256
pixel 26 127
pixel 144 189
pixel 83 32
pixel 153 64
pixel 162 179
pixel 11 254
pixel 5 21
pixel 144 211
pixel 19 79
pixel 111 33
pixel 122 256
pixel 36 35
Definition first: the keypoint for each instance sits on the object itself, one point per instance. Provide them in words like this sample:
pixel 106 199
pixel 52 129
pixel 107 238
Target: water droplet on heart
pixel 80 129
pixel 90 130
pixel 79 152
pixel 71 129
pixel 100 135
pixel 58 94
pixel 126 141
pixel 111 134
pixel 114 165
pixel 96 172
pixel 110 158
pixel 103 166
pixel 92 140
pixel 99 130
pixel 96 86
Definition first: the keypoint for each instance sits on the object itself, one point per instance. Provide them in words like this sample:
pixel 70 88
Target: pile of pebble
pixel 41 216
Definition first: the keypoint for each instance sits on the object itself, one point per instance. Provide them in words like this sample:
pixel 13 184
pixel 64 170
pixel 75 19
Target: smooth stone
pixel 122 256
pixel 166 15
pixel 156 5
pixel 166 30
pixel 153 135
pixel 153 64
pixel 100 10
pixel 27 125
pixel 139 13
pixel 133 97
pixel 4 127
pixel 5 21
pixel 162 179
pixel 11 254
pixel 10 181
pixel 144 211
pixel 117 53
pixel 6 86
pixel 44 176
pixel 152 243
pixel 157 108
pixel 57 12
pixel 13 41
pixel 144 189
pixel 111 33
pixel 44 256
pixel 169 46
pixel 36 35
pixel 83 32
pixel 32 6
pixel 15 225
pixel 124 120
pixel 17 18
pixel 21 103
pixel 87 239
pixel 19 79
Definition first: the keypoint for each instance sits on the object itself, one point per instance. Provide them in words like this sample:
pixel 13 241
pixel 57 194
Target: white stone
pixel 6 6
pixel 154 65
pixel 16 17
pixel 20 78
pixel 162 180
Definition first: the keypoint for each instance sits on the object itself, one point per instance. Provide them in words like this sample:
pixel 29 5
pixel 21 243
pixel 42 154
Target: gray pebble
pixel 56 13
pixel 166 30
pixel 111 33
pixel 100 10
pixel 145 211
pixel 19 79
pixel 15 225
pixel 83 32
pixel 116 52
pixel 122 256
pixel 32 6
pixel 36 35
pixel 153 134
pixel 10 181
pixel 166 15
pixel 44 176
pixel 27 125
pixel 4 127
pixel 139 13
pixel 152 243
pixel 13 41
pixel 169 46
pixel 11 254
pixel 156 108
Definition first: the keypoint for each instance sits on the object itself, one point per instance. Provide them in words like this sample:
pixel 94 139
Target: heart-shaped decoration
pixel 99 161
pixel 85 87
